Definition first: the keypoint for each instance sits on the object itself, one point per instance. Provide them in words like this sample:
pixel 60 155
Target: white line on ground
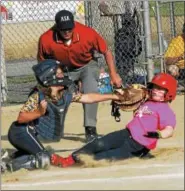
pixel 102 180
pixel 65 171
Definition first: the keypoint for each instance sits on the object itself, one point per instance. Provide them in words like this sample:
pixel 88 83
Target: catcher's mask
pixel 167 82
pixel 45 73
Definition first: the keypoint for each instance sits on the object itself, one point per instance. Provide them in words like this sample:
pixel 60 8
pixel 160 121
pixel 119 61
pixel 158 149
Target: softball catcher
pixel 42 117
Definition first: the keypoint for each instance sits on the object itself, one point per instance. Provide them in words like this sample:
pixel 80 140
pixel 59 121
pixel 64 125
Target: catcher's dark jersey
pixel 51 125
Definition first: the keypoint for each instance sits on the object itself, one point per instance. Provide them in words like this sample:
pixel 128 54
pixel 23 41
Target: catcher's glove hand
pixel 131 97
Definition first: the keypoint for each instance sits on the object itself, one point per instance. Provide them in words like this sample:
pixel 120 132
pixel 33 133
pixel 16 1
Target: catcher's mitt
pixel 131 97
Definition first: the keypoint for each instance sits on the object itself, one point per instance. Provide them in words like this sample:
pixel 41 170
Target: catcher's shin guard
pixel 4 159
pixel 30 162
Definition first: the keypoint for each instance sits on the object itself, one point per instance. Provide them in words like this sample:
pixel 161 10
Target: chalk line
pixel 97 180
pixel 65 171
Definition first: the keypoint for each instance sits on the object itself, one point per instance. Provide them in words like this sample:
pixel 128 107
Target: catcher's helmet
pixel 45 73
pixel 167 82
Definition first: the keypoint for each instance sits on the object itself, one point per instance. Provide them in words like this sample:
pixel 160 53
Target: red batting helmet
pixel 167 82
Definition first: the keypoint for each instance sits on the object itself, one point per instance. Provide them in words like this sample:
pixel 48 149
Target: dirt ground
pixel 163 172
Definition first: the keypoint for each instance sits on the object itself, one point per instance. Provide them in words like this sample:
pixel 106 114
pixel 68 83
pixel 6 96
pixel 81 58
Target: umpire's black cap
pixel 64 20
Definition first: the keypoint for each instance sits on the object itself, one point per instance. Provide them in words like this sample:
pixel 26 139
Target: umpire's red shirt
pixel 85 40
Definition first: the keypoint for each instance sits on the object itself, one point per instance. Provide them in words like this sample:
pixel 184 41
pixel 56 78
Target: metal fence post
pixel 3 79
pixel 172 20
pixel 148 41
pixel 88 13
pixel 160 36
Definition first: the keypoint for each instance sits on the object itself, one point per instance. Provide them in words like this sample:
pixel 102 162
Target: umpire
pixel 74 45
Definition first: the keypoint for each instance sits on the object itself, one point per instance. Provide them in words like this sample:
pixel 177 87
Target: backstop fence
pixel 137 32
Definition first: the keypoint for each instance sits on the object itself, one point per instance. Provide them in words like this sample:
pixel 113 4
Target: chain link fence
pixel 122 23
pixel 22 23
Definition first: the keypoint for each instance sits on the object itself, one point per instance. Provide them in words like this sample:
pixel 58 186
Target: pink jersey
pixel 151 116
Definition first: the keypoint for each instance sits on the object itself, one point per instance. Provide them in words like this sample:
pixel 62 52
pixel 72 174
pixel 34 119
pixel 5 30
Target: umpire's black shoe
pixel 90 133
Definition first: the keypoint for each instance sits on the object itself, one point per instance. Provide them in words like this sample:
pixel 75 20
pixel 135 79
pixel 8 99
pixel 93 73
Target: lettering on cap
pixel 65 18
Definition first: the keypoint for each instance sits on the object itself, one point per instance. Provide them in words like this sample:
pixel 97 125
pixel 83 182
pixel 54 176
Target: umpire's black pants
pixel 116 145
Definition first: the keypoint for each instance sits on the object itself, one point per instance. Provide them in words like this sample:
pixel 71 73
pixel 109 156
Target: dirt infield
pixel 163 172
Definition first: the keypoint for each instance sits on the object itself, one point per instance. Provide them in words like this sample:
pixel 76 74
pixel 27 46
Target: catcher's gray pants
pixel 89 76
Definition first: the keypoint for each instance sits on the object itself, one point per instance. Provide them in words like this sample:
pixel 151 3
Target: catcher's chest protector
pixel 51 126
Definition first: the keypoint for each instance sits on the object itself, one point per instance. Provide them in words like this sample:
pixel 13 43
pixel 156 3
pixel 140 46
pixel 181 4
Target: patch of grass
pixel 20 79
pixel 179 8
